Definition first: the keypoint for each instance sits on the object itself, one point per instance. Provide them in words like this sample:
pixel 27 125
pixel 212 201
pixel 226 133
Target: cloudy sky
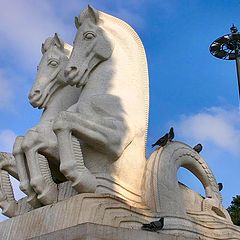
pixel 189 88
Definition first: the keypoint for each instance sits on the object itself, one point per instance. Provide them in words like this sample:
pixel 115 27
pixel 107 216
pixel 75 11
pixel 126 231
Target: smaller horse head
pixel 50 75
pixel 90 47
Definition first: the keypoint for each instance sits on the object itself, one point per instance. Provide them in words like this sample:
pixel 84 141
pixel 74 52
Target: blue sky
pixel 189 88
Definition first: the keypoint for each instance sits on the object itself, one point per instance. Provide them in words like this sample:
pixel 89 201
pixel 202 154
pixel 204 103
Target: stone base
pixel 90 231
pixel 103 216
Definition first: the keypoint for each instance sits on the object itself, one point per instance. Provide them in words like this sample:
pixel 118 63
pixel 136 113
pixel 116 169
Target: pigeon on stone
pixel 220 186
pixel 161 142
pixel 153 226
pixel 171 134
pixel 198 148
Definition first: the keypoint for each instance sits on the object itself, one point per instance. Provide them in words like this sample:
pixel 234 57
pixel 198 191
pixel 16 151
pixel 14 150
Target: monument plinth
pixel 83 166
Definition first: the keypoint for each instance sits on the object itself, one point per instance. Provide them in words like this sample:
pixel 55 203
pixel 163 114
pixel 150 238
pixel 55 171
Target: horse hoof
pixel 85 183
pixel 9 208
pixel 49 195
pixel 33 201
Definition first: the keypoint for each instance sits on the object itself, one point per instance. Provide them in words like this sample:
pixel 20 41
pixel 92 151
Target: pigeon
pixel 153 226
pixel 198 148
pixel 171 134
pixel 161 141
pixel 220 186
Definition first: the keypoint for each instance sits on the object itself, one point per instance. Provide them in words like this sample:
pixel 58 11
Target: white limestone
pixel 83 166
pixel 112 132
pixel 106 210
pixel 161 190
pixel 39 148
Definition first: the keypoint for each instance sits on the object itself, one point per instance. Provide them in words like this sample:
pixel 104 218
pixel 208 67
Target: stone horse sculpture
pixel 38 149
pixel 93 133
pixel 102 138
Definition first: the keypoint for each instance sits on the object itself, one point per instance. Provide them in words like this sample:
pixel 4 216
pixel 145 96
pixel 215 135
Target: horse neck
pixel 137 70
pixel 61 100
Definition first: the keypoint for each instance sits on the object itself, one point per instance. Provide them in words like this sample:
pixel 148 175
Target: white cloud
pixel 7 138
pixel 6 93
pixel 25 25
pixel 217 126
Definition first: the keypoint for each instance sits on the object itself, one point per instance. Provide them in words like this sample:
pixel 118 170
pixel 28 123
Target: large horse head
pixel 90 47
pixel 50 75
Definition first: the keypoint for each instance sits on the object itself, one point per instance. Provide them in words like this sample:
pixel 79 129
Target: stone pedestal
pixel 90 231
pixel 103 216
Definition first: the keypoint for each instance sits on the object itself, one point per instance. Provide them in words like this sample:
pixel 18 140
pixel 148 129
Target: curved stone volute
pixel 161 190
pixel 8 204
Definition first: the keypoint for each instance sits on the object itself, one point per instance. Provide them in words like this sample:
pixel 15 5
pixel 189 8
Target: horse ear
pixel 77 23
pixel 58 41
pixel 43 49
pixel 93 14
pixel 89 13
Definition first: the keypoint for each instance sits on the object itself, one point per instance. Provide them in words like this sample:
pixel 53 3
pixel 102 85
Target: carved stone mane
pixel 124 38
pixel 138 57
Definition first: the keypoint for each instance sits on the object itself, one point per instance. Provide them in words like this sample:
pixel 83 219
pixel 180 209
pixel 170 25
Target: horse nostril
pixel 34 93
pixel 69 70
pixel 37 92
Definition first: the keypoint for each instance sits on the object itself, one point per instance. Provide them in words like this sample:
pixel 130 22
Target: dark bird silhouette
pixel 220 186
pixel 161 141
pixel 153 226
pixel 198 148
pixel 171 134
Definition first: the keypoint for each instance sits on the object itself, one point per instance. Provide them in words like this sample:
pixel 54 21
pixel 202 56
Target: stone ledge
pixel 115 214
pixel 91 231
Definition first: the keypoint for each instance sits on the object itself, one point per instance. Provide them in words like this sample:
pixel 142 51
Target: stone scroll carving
pixel 8 204
pixel 92 134
pixel 161 190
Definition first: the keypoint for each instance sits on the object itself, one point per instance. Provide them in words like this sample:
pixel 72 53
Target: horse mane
pixel 142 69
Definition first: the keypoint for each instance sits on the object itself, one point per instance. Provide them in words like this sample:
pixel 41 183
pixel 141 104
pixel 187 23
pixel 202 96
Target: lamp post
pixel 227 47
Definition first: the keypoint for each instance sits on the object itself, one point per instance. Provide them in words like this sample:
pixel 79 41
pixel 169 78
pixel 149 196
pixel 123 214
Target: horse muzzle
pixel 71 72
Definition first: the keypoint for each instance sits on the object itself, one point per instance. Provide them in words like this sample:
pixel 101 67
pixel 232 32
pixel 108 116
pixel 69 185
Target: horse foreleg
pixel 23 173
pixel 40 177
pixel 7 201
pixel 8 163
pixel 107 135
pixel 72 164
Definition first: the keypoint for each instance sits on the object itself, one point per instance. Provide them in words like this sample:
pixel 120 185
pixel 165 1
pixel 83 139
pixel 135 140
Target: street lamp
pixel 227 47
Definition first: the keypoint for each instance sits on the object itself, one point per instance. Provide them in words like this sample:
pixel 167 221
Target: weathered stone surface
pixel 36 153
pixel 111 211
pixel 103 136
pixel 90 231
pixel 161 191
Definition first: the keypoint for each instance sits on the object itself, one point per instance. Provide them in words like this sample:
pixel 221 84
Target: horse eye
pixel 53 63
pixel 89 35
pixel 37 68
